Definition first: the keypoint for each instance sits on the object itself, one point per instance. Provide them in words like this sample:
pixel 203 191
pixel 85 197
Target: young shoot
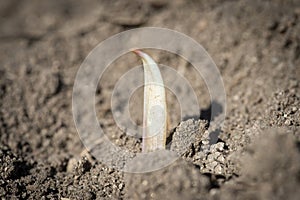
pixel 155 107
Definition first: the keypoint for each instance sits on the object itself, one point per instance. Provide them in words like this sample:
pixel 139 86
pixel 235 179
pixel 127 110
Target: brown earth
pixel 256 46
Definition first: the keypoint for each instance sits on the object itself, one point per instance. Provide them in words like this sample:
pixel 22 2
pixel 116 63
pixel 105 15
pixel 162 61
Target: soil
pixel 256 46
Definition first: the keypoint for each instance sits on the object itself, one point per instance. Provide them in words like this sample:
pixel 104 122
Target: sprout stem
pixel 155 107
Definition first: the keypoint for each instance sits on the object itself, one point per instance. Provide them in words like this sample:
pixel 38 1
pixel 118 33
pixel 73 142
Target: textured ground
pixel 256 46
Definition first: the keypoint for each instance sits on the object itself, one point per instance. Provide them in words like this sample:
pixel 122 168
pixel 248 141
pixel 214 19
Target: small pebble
pixel 220 146
pixel 218 169
pixel 145 183
pixel 287 122
pixel 221 159
pixel 213 192
pixel 205 142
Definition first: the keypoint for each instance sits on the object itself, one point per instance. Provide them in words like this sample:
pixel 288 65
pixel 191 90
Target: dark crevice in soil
pixel 206 114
